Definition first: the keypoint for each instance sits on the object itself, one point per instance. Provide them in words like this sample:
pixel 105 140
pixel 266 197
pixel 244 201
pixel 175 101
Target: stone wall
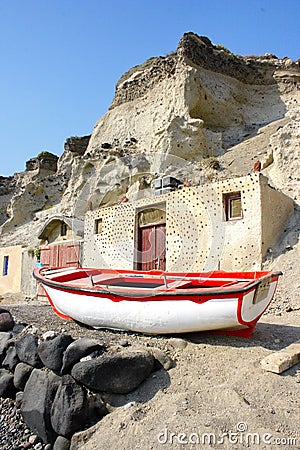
pixel 28 283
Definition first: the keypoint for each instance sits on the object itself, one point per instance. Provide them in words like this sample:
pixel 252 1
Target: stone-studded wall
pixel 114 247
pixel 198 237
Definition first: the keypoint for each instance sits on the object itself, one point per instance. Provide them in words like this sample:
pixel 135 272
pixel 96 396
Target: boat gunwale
pixel 151 293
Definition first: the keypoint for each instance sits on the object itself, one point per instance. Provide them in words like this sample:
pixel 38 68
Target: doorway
pixel 151 239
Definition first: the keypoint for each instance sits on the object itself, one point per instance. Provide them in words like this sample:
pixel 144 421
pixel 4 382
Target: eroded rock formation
pixel 170 115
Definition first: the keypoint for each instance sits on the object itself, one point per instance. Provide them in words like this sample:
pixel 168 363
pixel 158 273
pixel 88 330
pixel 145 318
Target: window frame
pixel 228 197
pixel 63 229
pixel 5 265
pixel 98 226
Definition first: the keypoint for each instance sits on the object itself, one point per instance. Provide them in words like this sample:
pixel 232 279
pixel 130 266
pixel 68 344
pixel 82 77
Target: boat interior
pixel 152 280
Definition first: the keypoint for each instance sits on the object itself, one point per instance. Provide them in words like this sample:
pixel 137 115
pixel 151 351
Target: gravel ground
pixel 277 397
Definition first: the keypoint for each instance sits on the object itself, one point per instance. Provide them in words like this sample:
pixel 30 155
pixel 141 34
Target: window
pixel 232 206
pixel 98 226
pixel 63 229
pixel 5 265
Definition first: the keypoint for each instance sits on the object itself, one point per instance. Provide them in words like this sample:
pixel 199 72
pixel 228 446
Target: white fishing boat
pixel 158 302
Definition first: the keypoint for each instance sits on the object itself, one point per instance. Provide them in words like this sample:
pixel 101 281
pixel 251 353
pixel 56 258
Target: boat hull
pixel 235 313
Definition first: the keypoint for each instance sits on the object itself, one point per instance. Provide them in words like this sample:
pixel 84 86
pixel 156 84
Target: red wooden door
pixel 59 255
pixel 152 247
pixel 69 255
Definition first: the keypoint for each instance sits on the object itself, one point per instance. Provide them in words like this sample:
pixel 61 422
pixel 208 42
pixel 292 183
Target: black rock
pixel 11 359
pixel 61 443
pixel 70 410
pixel 26 347
pixel 118 373
pixel 4 343
pixel 51 351
pixel 78 349
pixel 21 375
pixel 37 401
pixel 7 388
pixel 6 320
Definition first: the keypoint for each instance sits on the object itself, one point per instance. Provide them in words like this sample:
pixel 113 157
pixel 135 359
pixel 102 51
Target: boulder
pixel 118 373
pixel 26 347
pixel 4 343
pixel 37 401
pixel 6 320
pixel 70 410
pixel 11 359
pixel 78 349
pixel 61 443
pixel 51 351
pixel 21 375
pixel 7 388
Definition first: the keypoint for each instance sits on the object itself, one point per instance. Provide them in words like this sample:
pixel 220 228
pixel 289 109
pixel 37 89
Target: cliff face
pixel 175 115
pixel 199 102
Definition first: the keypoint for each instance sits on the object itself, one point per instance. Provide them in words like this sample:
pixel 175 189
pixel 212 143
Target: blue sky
pixel 61 59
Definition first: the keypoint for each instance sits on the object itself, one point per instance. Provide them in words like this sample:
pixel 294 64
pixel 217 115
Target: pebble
pixel 128 405
pixel 14 433
pixel 33 439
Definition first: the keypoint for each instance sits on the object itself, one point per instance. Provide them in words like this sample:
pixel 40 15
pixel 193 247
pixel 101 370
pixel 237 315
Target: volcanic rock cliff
pixel 199 113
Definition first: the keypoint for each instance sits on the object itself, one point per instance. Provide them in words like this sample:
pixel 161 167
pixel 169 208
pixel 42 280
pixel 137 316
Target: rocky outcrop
pixel 45 161
pixel 77 144
pixel 170 115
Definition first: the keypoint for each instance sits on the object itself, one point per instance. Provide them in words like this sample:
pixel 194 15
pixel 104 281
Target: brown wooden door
pixel 69 255
pixel 59 255
pixel 152 247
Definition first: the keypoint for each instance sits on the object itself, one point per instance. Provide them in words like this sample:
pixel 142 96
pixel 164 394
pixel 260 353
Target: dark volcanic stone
pixel 7 388
pixel 11 359
pixel 4 343
pixel 21 375
pixel 26 348
pixel 70 409
pixel 37 401
pixel 118 373
pixel 6 320
pixel 77 350
pixel 51 351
